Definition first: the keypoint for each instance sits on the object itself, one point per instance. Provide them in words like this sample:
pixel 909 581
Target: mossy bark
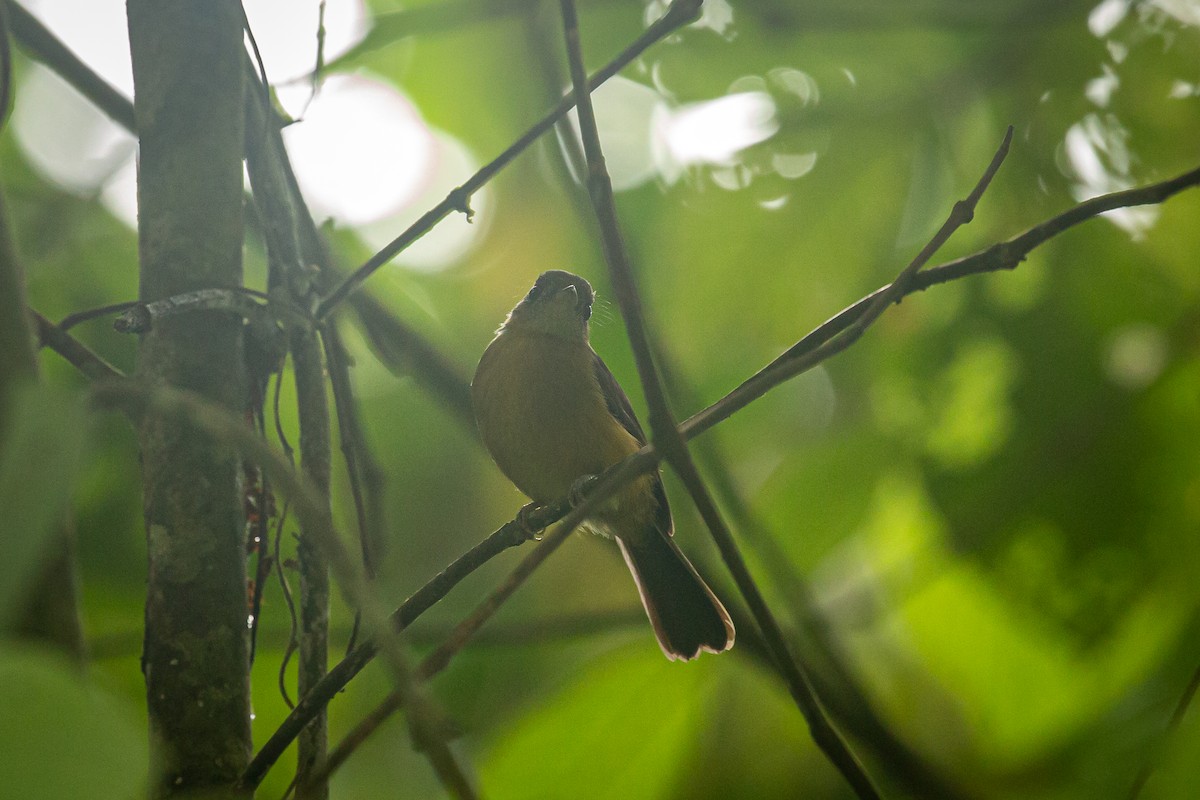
pixel 187 64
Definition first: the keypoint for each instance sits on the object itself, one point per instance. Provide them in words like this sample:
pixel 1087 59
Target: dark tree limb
pixel 679 13
pixel 666 436
pixel 50 610
pixel 186 65
pixel 43 46
pixel 280 211
pixel 296 254
pixel 647 457
pixel 1004 255
pixel 1181 707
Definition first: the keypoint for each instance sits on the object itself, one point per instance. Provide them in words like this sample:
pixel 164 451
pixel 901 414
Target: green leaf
pixel 621 732
pixel 41 452
pixel 63 737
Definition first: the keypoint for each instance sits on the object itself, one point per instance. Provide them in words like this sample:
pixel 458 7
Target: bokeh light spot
pixel 1136 356
pixel 362 151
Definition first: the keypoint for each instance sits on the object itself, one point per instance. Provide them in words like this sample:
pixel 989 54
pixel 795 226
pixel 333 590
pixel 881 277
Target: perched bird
pixel 550 412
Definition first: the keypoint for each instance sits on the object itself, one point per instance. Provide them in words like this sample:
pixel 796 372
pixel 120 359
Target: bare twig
pixel 261 527
pixel 1185 700
pixel 364 474
pixel 139 317
pixel 74 351
pixel 366 477
pixel 640 462
pixel 43 46
pixel 666 435
pixel 607 485
pixel 404 351
pixel 285 587
pixel 1002 256
pixel 677 14
pixel 71 320
pixel 5 67
pixel 227 428
pixel 509 535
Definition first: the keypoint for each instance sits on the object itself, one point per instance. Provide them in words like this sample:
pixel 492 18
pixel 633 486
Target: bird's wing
pixel 618 405
pixel 616 399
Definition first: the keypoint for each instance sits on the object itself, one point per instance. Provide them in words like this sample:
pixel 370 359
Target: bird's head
pixel 559 304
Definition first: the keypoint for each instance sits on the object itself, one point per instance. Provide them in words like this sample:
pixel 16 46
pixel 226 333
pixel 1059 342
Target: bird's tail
pixel 686 615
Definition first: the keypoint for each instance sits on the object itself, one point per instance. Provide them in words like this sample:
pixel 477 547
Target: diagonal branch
pixel 43 46
pixel 136 399
pixel 1181 707
pixel 509 535
pixel 639 463
pixel 666 435
pixel 1004 255
pixel 677 14
pixel 608 484
pixel 75 352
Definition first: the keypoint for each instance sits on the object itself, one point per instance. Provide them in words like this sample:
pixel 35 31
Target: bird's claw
pixel 580 488
pixel 525 520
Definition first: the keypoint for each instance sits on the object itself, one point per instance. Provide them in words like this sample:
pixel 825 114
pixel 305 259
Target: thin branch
pixel 509 535
pixel 366 478
pixel 312 556
pixel 288 277
pixel 666 435
pixel 293 642
pixel 405 352
pixel 140 317
pixel 1185 700
pixel 261 527
pixel 75 352
pixel 640 462
pixel 962 214
pixel 677 14
pixel 227 428
pixel 365 475
pixel 1005 255
pixel 820 653
pixel 43 46
pixel 5 66
pixel 71 320
pixel 606 486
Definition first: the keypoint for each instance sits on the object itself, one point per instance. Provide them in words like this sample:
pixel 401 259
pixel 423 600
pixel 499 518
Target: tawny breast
pixel 542 416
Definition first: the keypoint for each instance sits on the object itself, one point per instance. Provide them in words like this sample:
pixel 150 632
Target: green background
pixel 994 495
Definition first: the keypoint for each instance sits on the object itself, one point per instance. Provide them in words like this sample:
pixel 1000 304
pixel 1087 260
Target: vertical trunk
pixel 187 60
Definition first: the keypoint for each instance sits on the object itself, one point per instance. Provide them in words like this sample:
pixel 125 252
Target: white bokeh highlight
pixel 362 151
pixel 363 154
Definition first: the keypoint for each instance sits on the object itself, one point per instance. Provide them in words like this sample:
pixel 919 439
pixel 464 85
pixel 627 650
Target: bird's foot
pixel 525 520
pixel 580 488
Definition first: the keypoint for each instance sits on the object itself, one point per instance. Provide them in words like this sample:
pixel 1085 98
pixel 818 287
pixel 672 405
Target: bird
pixel 551 413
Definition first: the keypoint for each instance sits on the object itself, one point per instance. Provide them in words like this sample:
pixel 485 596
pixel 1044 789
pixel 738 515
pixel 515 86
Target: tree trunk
pixel 187 59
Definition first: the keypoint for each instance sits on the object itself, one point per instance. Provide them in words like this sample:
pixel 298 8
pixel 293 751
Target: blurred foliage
pixel 995 495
